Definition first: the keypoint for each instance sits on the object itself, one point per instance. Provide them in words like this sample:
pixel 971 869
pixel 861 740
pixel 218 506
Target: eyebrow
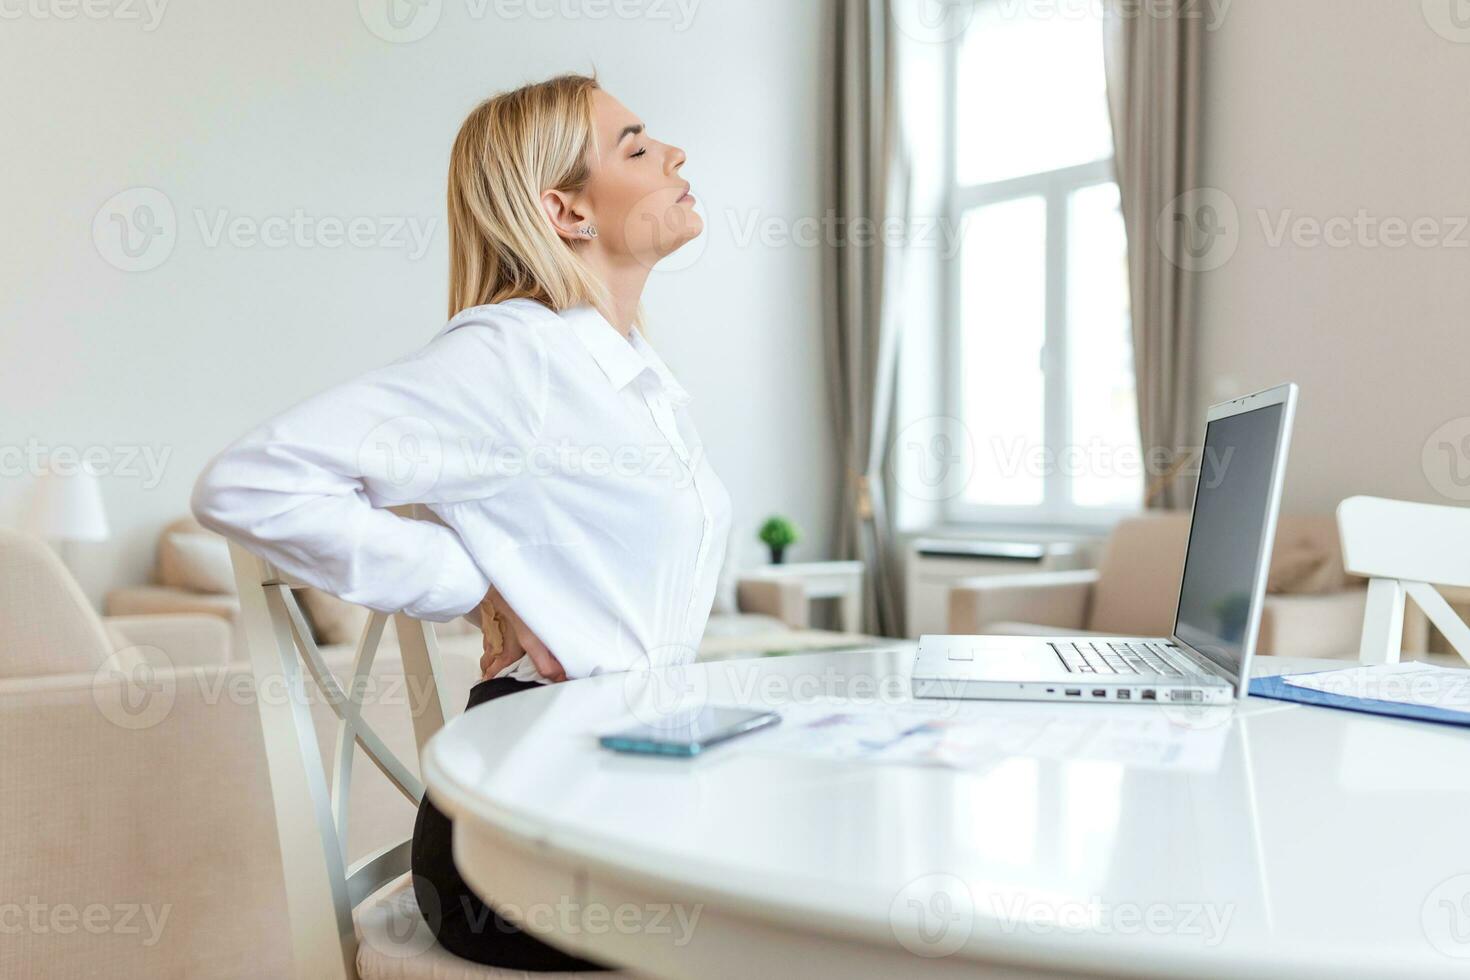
pixel 628 131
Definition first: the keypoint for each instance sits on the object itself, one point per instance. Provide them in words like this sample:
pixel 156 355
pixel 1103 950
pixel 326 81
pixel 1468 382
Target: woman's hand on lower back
pixel 508 638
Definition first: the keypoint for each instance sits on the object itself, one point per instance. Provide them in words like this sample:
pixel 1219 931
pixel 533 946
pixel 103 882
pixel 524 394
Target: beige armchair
pixel 1313 608
pixel 47 625
pixel 143 794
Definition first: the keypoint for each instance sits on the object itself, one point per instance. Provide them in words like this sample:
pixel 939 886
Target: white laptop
pixel 1207 658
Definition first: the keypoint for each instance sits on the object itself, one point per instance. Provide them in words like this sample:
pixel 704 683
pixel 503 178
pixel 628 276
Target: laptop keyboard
pixel 1104 657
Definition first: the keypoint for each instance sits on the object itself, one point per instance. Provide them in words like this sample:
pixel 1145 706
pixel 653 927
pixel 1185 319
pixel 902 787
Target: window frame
pixel 1057 510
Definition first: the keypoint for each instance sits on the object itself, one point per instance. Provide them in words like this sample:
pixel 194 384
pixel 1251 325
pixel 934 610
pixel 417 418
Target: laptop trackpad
pixel 1009 658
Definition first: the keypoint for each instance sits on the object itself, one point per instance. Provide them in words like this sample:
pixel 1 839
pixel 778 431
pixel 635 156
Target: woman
pixel 582 524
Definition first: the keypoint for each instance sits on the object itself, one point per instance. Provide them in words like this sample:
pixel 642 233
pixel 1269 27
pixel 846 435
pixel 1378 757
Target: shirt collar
pixel 622 359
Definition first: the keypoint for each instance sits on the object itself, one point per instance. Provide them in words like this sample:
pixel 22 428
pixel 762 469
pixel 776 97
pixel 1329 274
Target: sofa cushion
pixel 200 562
pixel 142 600
pixel 168 570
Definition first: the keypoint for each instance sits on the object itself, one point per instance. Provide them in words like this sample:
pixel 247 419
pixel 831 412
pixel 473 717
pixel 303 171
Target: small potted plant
pixel 778 532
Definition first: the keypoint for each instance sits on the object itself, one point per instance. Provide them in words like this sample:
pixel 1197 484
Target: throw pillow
pixel 203 562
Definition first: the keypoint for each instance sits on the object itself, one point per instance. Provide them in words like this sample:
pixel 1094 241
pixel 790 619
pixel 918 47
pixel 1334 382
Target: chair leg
pixel 324 941
pixel 1383 622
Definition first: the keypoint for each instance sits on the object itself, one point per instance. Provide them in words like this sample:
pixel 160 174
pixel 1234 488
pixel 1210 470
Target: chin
pixel 688 233
pixel 679 244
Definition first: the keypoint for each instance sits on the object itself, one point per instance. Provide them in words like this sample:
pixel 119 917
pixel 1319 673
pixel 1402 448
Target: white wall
pixel 258 110
pixel 1324 108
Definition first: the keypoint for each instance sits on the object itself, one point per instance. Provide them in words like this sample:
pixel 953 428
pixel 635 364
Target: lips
pixel 686 196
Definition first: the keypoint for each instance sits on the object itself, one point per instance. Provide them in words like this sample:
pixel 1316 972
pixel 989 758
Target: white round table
pixel 1318 843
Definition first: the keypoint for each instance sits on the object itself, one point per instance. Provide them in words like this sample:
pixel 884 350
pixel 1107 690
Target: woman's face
pixel 641 207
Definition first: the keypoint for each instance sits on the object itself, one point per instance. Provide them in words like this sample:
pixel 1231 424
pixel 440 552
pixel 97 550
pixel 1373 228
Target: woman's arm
pixel 306 489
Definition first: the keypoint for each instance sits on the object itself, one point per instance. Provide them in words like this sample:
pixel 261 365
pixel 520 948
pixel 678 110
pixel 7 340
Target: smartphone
pixel 709 726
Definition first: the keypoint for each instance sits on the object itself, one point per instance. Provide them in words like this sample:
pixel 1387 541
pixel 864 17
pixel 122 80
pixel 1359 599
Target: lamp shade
pixel 66 507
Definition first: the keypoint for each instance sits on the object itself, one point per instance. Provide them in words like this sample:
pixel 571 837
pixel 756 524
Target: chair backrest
pixel 47 624
pixel 1405 549
pixel 311 808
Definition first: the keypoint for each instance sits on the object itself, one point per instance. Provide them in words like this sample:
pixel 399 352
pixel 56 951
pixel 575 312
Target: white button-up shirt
pixel 560 455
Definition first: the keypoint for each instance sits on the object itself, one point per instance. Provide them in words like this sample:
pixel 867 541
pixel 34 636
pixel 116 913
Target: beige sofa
pixel 751 617
pixel 1313 608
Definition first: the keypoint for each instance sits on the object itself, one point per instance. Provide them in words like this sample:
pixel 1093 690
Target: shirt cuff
pixel 459 584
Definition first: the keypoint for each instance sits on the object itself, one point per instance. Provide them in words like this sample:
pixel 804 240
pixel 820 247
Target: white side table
pixel 841 580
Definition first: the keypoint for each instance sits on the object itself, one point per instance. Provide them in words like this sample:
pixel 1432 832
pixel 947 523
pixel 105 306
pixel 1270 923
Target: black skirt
pixel 463 924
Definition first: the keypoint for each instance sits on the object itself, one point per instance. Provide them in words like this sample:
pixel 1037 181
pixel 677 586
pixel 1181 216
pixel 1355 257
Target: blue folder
pixel 1277 688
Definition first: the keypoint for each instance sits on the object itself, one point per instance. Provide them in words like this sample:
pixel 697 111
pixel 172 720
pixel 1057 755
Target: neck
pixel 624 282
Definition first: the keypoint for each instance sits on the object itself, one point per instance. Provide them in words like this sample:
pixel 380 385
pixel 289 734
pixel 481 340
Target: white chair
pixel 1404 550
pixel 386 937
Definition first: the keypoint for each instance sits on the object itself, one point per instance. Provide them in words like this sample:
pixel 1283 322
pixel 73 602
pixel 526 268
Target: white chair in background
pixel 1405 549
pixel 333 935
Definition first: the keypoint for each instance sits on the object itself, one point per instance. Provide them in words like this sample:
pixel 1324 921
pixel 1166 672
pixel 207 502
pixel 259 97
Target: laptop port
pixel 1098 692
pixel 1073 692
pixel 1149 696
pixel 1124 695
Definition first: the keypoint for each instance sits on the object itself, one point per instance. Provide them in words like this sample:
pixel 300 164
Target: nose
pixel 676 159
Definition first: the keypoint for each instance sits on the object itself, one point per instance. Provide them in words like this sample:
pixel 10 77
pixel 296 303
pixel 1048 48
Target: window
pixel 1041 359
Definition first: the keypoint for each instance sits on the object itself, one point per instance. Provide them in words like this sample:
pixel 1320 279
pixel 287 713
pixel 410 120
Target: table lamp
pixel 66 507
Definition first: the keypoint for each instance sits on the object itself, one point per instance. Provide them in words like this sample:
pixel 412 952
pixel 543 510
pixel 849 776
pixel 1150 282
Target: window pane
pixel 1107 470
pixel 1003 319
pixel 1032 93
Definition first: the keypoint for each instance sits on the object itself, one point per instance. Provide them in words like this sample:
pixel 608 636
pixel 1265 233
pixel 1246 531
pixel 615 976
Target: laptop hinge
pixel 1200 660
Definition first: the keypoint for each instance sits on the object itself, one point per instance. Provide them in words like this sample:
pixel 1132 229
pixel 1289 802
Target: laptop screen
pixel 1231 507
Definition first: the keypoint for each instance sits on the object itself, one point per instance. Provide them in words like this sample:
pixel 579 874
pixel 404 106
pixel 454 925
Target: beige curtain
pixel 867 185
pixel 1153 67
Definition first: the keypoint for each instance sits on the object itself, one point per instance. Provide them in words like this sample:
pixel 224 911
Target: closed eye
pixel 641 152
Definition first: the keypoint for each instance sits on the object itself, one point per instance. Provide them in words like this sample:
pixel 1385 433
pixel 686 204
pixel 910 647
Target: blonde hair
pixel 511 148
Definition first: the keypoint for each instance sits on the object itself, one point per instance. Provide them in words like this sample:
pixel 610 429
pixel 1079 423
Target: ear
pixel 566 216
